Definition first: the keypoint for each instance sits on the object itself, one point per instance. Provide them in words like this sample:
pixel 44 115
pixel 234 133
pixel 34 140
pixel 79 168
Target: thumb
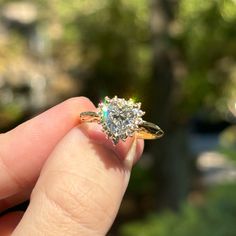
pixel 80 187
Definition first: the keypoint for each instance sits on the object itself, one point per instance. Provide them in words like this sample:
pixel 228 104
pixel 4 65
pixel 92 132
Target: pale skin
pixel 75 177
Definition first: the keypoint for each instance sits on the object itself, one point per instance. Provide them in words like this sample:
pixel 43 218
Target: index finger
pixel 24 149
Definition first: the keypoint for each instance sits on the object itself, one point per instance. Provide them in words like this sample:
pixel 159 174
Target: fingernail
pixel 129 159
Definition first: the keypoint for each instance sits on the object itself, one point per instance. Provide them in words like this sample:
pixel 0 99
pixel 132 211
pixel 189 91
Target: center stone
pixel 120 118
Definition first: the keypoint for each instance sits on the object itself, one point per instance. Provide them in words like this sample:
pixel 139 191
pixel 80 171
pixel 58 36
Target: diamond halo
pixel 120 118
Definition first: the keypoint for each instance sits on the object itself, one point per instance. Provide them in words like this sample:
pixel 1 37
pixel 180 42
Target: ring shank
pixel 89 116
pixel 146 130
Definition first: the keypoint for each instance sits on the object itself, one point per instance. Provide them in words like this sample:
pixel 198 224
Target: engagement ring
pixel 122 118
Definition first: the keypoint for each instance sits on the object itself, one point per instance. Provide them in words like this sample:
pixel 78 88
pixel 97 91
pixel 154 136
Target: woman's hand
pixel 74 176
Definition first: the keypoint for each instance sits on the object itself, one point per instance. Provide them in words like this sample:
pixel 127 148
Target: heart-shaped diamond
pixel 119 117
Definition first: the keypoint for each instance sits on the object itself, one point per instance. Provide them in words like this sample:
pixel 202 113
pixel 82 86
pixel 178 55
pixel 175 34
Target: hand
pixel 74 176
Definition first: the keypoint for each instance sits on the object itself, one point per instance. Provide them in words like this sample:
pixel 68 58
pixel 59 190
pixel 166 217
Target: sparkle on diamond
pixel 119 117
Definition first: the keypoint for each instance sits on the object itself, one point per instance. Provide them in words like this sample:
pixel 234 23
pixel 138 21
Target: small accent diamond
pixel 119 117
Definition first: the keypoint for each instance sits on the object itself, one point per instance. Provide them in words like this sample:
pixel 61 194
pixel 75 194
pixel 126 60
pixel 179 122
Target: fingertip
pixel 139 150
pixel 73 106
pixel 78 101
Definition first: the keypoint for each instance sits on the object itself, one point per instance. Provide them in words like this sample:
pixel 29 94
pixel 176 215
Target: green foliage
pixel 215 217
pixel 110 42
pixel 107 40
pixel 142 180
pixel 208 44
pixel 113 38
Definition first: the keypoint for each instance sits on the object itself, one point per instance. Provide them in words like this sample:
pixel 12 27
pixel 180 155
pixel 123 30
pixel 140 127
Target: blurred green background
pixel 178 57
